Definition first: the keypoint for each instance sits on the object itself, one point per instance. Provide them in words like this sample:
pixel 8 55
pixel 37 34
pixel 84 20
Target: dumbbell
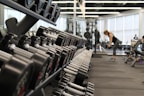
pixel 79 76
pixel 40 61
pixel 68 52
pixel 70 78
pixel 51 11
pixel 76 69
pixel 54 12
pixel 79 65
pixel 61 51
pixel 73 51
pixel 56 15
pixel 56 57
pixel 64 55
pixel 15 75
pixel 86 83
pixel 25 43
pixel 47 8
pixel 43 43
pixel 60 92
pixel 73 91
pixel 26 3
pixel 60 40
pixel 42 31
pixel 73 85
pixel 38 6
pixel 77 73
pixel 72 66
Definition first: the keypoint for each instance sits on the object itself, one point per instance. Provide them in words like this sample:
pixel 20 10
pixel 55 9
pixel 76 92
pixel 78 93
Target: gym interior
pixel 71 48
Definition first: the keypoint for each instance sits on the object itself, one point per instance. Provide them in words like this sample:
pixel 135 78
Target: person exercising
pixel 112 39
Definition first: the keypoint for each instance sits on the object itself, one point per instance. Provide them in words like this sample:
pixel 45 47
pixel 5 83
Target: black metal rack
pixel 21 8
pixel 44 83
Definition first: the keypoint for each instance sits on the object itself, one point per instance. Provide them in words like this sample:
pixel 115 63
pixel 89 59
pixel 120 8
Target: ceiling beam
pixel 106 8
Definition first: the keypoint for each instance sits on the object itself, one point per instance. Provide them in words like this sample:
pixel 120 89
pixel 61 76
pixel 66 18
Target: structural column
pixel 1 15
pixel 74 17
pixel 141 24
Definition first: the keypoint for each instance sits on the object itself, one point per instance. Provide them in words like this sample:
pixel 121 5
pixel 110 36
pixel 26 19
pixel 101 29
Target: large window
pixel 119 28
pixel 124 27
pixel 131 27
pixel 112 24
pixel 82 25
pixel 60 24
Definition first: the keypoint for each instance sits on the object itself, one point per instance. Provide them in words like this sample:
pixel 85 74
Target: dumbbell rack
pixel 44 83
pixel 20 8
pixel 24 25
pixel 33 17
pixel 29 20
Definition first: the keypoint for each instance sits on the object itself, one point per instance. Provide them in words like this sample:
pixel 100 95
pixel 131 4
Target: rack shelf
pixel 44 83
pixel 21 8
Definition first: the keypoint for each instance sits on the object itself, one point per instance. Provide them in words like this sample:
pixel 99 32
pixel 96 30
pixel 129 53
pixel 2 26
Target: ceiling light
pixel 114 1
pixel 63 2
pixel 94 16
pixel 100 1
pixel 106 8
pixel 91 12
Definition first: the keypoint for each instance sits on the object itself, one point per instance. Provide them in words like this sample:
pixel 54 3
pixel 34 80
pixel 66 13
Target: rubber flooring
pixel 115 78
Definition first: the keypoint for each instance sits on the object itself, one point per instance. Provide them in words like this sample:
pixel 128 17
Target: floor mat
pixel 116 78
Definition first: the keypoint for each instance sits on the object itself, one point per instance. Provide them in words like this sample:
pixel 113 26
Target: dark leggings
pixel 116 44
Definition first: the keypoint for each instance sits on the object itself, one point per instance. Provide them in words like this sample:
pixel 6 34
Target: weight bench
pixel 139 56
pixel 131 54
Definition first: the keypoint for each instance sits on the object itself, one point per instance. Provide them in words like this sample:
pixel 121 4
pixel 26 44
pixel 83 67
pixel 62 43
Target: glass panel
pixel 111 24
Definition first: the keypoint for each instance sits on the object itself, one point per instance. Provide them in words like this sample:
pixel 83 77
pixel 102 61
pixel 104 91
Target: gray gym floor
pixel 116 78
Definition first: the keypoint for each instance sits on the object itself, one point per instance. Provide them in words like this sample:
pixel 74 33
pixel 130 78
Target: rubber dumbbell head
pixel 40 61
pixel 47 8
pixel 40 5
pixel 26 3
pixel 15 75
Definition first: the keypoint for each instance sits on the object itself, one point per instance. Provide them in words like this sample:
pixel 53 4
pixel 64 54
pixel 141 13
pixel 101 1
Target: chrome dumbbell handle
pixel 74 91
pixel 70 71
pixel 66 94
